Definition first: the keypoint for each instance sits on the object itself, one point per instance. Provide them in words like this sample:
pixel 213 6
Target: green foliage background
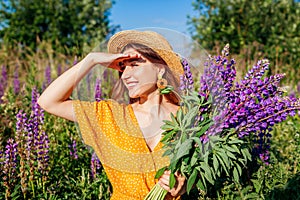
pixel 34 35
pixel 254 29
pixel 69 24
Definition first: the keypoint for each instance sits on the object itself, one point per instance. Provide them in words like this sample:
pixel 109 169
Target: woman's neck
pixel 154 104
pixel 147 102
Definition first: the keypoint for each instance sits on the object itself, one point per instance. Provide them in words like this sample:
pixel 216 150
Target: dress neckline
pixel 158 146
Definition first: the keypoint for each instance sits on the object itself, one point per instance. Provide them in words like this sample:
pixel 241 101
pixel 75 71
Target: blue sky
pixel 171 14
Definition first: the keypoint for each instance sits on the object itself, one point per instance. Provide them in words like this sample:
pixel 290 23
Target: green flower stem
pixel 156 193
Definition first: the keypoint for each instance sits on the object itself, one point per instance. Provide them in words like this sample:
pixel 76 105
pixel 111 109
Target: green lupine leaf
pixel 160 172
pixel 224 157
pixel 173 118
pixel 236 149
pixel 215 163
pixel 194 159
pixel 190 116
pixel 200 185
pixel 251 196
pixel 168 152
pixel 179 116
pixel 203 179
pixel 229 148
pixel 184 149
pixel 236 176
pixel 168 136
pixel 243 161
pixel 238 168
pixel 173 164
pixel 207 171
pixel 172 181
pixel 230 155
pixel 191 181
pixel 222 164
pixel 246 154
pixel 167 127
pixel 203 129
pixel 236 141
pixel 197 140
pixel 192 130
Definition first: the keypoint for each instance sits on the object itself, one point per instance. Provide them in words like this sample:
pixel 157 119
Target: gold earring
pixel 161 82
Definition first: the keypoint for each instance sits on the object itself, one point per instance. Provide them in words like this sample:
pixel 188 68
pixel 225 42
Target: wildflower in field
pixel 9 167
pixel 3 81
pixel 16 81
pixel 252 105
pixel 224 125
pixel 73 149
pixel 186 80
pixel 47 77
pixel 21 138
pixel 95 165
pixel 98 92
pixel 59 70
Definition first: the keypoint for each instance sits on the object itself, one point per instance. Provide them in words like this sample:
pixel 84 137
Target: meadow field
pixel 43 157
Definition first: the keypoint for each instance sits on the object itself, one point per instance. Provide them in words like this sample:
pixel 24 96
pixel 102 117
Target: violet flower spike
pixel 95 165
pixel 3 81
pixel 9 167
pixel 16 81
pixel 98 92
pixel 186 82
pixel 73 150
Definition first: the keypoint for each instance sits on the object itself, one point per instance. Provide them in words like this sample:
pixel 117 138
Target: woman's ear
pixel 161 70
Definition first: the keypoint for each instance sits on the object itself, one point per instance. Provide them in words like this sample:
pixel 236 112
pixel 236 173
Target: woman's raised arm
pixel 56 98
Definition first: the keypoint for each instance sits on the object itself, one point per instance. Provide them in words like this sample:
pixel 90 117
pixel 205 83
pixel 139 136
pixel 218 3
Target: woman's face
pixel 139 75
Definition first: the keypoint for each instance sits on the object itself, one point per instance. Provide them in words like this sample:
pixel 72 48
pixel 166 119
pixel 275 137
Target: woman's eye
pixel 134 64
pixel 122 68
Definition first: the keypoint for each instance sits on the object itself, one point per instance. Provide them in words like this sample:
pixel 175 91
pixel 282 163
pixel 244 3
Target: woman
pixel 126 138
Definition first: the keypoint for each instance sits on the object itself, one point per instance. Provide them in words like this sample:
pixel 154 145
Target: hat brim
pixel 150 39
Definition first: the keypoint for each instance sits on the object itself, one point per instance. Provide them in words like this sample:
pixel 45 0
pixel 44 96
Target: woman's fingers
pixel 179 187
pixel 121 61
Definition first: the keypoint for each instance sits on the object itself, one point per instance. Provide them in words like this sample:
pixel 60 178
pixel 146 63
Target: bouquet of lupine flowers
pixel 224 125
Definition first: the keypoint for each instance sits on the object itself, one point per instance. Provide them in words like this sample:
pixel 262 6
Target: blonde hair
pixel 119 91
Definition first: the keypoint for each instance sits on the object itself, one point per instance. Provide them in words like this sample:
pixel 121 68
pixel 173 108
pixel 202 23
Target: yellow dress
pixel 112 130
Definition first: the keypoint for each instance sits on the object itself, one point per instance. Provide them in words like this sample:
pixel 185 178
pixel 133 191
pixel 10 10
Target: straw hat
pixel 151 39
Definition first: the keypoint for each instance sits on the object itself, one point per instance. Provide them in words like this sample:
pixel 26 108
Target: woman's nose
pixel 127 72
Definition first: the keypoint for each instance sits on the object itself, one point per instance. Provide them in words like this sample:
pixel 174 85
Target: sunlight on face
pixel 139 75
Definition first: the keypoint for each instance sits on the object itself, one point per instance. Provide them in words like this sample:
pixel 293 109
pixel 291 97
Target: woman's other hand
pixel 180 185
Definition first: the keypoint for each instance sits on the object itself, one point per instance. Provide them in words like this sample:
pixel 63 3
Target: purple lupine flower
pixel 258 70
pixel 186 80
pixel 4 76
pixel 3 81
pixel 43 152
pixel 48 75
pixel 37 111
pixel 98 92
pixel 16 81
pixel 59 70
pixel 75 60
pixel 47 79
pixel 1 159
pixel 251 106
pixel 37 142
pixel 73 150
pixel 21 141
pixel 95 165
pixel 9 167
pixel 20 126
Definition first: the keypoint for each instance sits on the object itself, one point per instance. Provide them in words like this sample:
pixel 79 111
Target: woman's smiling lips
pixel 131 84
